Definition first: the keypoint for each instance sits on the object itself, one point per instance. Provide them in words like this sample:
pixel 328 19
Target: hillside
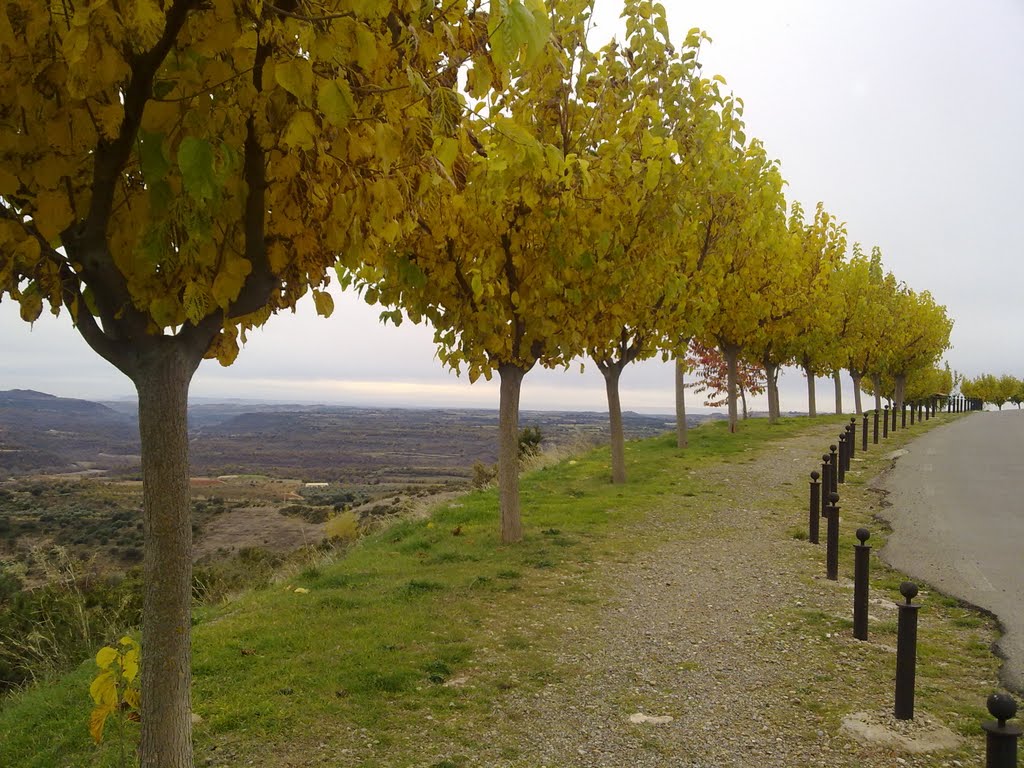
pixel 40 433
pixel 44 433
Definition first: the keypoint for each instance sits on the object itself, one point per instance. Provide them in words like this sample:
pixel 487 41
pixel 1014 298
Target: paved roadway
pixel 958 519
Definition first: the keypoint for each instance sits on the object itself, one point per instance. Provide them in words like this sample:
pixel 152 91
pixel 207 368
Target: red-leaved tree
pixel 711 368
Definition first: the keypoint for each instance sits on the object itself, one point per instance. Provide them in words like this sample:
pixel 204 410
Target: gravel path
pixel 691 631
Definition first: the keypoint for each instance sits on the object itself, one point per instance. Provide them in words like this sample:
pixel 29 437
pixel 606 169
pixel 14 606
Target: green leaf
pixel 195 160
pixel 152 161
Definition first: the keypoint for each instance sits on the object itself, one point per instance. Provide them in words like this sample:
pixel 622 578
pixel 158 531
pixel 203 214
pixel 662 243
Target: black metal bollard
pixel 929 410
pixel 913 412
pixel 906 653
pixel 814 509
pixel 903 415
pixel 885 424
pixel 1000 738
pixel 842 457
pixel 832 539
pixel 864 432
pixel 826 482
pixel 892 427
pixel 861 564
pixel 874 432
pixel 834 463
pixel 853 441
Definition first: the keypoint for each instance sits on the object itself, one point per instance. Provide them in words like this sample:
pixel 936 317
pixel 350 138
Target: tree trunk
pixel 771 372
pixel 731 355
pixel 681 437
pixel 901 385
pixel 839 392
pixel 162 382
pixel 511 377
pixel 611 373
pixel 812 409
pixel 857 403
pixel 876 382
pixel 743 399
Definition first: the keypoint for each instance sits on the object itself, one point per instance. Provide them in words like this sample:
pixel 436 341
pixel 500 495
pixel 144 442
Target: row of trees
pixel 174 172
pixel 997 390
pixel 608 206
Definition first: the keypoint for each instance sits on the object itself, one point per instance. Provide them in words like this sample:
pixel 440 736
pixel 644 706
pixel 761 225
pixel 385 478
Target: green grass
pixel 425 622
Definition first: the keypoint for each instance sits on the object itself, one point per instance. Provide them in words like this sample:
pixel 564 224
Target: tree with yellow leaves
pixel 173 172
pixel 747 217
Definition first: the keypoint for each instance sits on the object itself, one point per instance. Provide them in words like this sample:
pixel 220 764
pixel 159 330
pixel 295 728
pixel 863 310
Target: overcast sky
pixel 903 116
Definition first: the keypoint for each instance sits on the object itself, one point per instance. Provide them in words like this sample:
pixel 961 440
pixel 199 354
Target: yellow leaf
pixel 76 41
pixel 104 689
pixel 301 591
pixel 334 99
pixel 296 77
pixel 147 22
pixel 366 47
pixel 132 697
pixel 301 131
pixel 109 117
pixel 105 657
pixel 324 303
pixel 9 183
pixel 96 721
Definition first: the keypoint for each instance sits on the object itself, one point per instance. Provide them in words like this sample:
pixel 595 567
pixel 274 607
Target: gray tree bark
pixel 839 392
pixel 772 376
pixel 682 439
pixel 812 408
pixel 901 385
pixel 162 383
pixel 511 380
pixel 876 382
pixel 731 355
pixel 612 372
pixel 857 402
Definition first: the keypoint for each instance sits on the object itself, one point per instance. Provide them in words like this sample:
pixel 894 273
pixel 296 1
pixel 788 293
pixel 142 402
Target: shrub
pixel 530 439
pixel 344 526
pixel 483 474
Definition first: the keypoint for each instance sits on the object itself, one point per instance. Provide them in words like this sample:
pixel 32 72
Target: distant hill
pixel 44 433
pixel 41 432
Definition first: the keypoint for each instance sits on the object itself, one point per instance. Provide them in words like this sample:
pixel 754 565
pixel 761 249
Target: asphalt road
pixel 958 519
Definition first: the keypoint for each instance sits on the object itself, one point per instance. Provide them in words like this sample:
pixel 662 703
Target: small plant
pixel 115 690
pixel 530 439
pixel 344 526
pixel 483 474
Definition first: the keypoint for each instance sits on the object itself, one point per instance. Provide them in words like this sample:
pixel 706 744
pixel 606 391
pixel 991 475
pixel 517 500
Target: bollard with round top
pixel 826 482
pixel 903 415
pixel 1000 738
pixel 832 539
pixel 914 408
pixel 885 424
pixel 814 509
pixel 864 434
pixel 853 441
pixel 834 463
pixel 874 431
pixel 843 448
pixel 906 653
pixel 861 561
pixel 892 412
